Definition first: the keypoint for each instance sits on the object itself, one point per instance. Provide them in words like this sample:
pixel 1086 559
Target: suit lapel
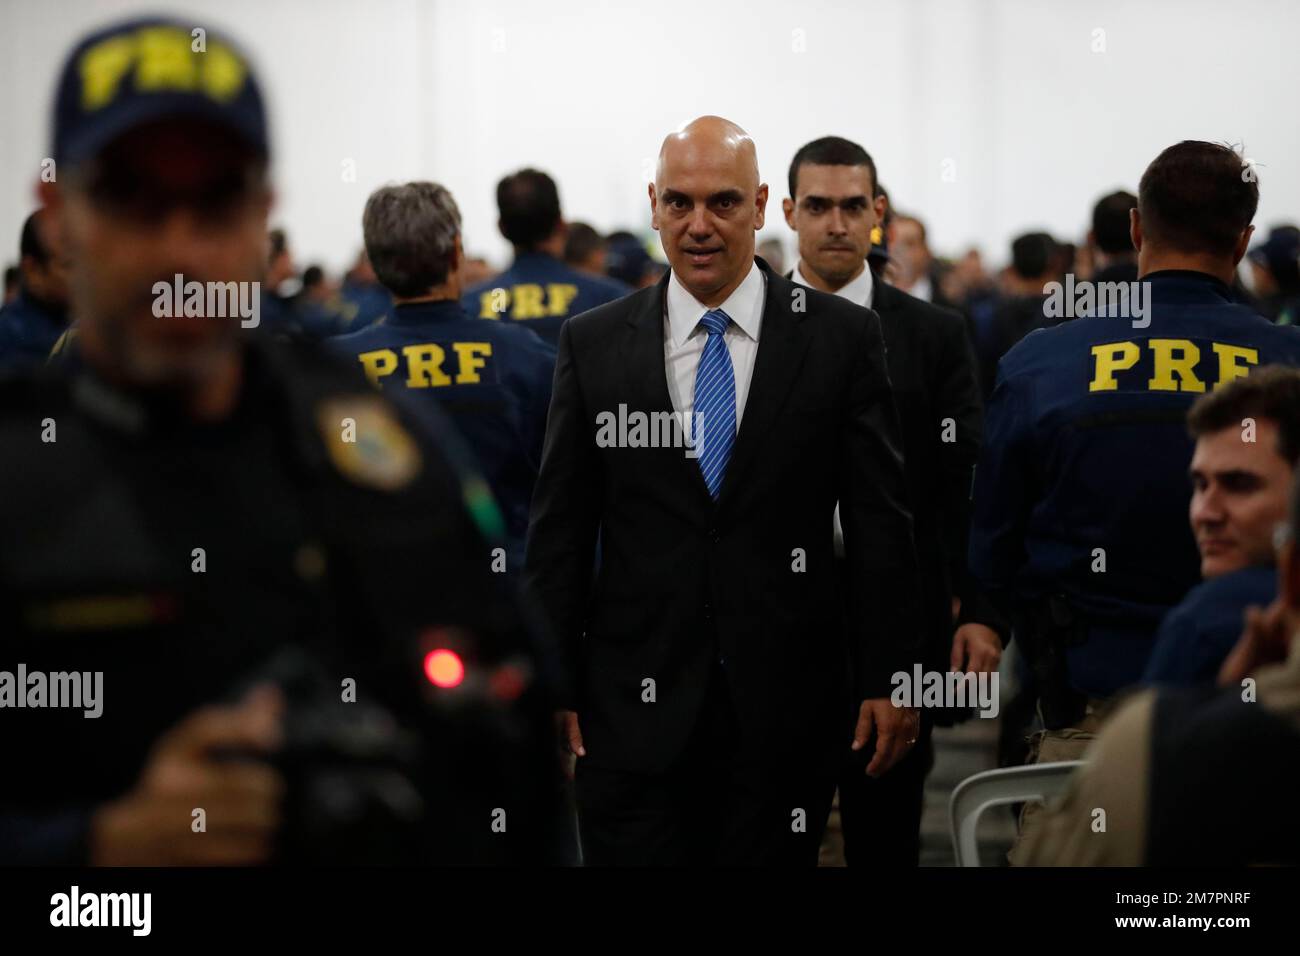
pixel 781 345
pixel 647 376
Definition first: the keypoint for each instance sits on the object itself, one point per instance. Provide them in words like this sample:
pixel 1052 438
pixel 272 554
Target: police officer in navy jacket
pixel 538 290
pixel 33 322
pixel 1080 514
pixel 492 378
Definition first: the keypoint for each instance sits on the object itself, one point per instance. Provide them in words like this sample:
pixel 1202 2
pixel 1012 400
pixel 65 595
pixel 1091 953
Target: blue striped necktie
pixel 714 424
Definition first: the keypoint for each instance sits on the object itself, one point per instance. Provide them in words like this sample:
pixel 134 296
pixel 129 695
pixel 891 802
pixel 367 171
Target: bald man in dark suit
pixel 714 687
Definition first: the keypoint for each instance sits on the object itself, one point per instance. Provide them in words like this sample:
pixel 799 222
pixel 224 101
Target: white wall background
pixel 1008 95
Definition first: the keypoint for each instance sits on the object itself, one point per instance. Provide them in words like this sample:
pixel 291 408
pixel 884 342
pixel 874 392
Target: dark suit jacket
pixel 933 373
pixel 686 584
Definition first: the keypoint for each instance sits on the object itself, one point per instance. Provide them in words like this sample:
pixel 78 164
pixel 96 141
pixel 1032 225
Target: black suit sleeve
pixel 959 401
pixel 885 620
pixel 565 515
pixel 961 424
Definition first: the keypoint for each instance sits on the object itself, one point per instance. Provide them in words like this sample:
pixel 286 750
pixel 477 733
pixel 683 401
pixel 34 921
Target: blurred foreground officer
pixel 1080 521
pixel 1197 778
pixel 835 209
pixel 538 289
pixel 712 699
pixel 494 380
pixel 199 514
pixel 1247 446
pixel 33 322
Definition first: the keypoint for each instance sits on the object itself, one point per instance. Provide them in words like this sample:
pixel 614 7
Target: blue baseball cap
pixel 1280 250
pixel 144 70
pixel 626 259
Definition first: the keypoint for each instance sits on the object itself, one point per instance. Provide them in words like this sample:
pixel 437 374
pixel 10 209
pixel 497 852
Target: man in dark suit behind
pixel 711 697
pixel 834 206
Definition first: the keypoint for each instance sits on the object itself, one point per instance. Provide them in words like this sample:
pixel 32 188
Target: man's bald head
pixel 707 203
pixel 709 139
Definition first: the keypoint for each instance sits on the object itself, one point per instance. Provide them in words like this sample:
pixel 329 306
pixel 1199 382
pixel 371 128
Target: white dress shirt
pixel 922 289
pixel 859 291
pixel 684 338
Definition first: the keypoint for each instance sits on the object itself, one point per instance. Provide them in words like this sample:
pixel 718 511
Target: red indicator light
pixel 444 668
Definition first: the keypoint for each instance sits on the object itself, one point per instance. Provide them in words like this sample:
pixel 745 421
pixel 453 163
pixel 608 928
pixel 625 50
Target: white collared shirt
pixel 859 291
pixel 684 338
pixel 922 289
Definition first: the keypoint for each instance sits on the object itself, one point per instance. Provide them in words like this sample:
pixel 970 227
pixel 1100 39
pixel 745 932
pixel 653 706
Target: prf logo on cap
pixel 162 58
pixel 141 71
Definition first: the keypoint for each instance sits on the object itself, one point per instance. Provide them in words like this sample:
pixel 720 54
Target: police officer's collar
pixel 140 413
pixel 32 305
pixel 1184 277
pixel 410 313
pixel 533 257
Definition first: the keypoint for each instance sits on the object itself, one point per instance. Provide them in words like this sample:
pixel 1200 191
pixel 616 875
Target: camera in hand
pixel 349 770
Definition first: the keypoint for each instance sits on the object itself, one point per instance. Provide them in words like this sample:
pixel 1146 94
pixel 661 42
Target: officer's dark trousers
pixel 714 806
pixel 881 816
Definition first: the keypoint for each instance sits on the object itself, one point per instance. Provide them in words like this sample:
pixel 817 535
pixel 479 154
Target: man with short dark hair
pixel 1194 778
pixel 835 208
pixel 1113 257
pixel 1035 261
pixel 1247 445
pixel 1080 527
pixel 33 322
pixel 584 249
pixel 538 289
pixel 493 380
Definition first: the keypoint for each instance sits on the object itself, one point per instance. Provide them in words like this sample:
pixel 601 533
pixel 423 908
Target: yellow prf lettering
pixel 1166 366
pixel 558 297
pixel 470 356
pixel 424 366
pixel 528 302
pixel 102 69
pixel 378 363
pixel 223 72
pixel 1109 359
pixel 165 61
pixel 487 300
pixel 1229 367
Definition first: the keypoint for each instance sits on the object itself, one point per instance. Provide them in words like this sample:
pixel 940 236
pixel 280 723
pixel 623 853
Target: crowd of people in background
pixel 1001 306
pixel 1118 526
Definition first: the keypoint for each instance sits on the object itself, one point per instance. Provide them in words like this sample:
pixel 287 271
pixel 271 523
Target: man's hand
pixel 896 731
pixel 570 739
pixel 1265 641
pixel 151 825
pixel 976 647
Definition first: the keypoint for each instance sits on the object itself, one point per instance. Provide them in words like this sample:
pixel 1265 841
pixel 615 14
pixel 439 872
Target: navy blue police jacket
pixel 492 380
pixel 540 292
pixel 1081 490
pixel 1196 637
pixel 28 331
